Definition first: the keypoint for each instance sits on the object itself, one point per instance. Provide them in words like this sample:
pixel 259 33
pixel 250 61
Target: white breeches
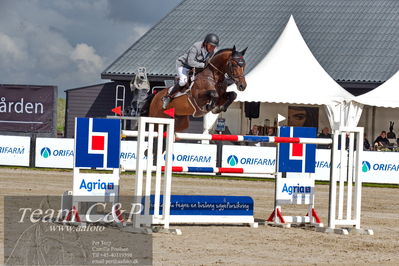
pixel 183 75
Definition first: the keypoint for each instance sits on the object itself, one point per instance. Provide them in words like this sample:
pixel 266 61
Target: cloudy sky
pixel 68 43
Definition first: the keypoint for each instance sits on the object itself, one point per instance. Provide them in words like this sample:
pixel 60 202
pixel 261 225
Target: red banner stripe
pixel 225 137
pixel 286 140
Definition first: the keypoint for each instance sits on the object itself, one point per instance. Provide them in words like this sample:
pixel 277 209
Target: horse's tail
pixel 140 103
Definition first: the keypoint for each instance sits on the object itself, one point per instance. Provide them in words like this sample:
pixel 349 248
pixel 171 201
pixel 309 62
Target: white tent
pixel 290 73
pixel 385 95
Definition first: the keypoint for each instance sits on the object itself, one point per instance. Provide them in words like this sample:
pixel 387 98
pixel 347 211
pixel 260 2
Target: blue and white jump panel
pixel 204 209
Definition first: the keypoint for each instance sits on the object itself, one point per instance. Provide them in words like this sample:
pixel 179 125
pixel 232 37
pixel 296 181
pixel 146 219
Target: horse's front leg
pixel 213 98
pixel 229 98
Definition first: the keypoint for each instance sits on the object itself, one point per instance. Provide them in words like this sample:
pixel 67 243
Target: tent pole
pixel 373 123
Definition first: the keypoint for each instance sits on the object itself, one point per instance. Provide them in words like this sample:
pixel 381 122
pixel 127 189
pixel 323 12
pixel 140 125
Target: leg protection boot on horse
pixel 168 97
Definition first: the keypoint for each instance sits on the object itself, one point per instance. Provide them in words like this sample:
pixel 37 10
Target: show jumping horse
pixel 207 92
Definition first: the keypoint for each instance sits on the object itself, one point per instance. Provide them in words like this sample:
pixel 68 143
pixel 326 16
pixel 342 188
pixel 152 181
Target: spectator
pixel 254 130
pixel 391 134
pixel 366 143
pixel 381 141
pixel 270 131
pixel 325 134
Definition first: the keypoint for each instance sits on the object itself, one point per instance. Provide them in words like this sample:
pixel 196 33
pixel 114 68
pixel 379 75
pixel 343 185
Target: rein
pixel 212 65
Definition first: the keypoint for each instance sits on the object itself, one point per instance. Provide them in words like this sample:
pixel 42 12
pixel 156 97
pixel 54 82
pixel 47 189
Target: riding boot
pixel 168 97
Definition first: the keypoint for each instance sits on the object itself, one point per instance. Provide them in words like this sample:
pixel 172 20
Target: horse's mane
pixel 223 50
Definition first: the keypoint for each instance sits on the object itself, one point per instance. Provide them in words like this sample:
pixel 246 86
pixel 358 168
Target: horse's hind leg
pixel 229 98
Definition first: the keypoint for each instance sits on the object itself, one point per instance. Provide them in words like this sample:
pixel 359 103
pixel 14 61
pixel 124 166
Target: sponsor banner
pixel 323 163
pixel 128 155
pixel 95 185
pixel 14 150
pixel 97 145
pixel 54 152
pixel 184 154
pixel 208 205
pixel 98 141
pixel 296 157
pixel 262 159
pixel 27 108
pixel 58 153
pixel 377 167
pixel 295 190
pixel 380 167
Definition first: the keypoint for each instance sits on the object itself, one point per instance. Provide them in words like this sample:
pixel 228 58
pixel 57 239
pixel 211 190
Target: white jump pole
pixel 139 171
pixel 145 217
pixel 350 160
pixel 158 174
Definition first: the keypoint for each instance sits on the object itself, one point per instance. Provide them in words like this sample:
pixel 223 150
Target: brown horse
pixel 208 90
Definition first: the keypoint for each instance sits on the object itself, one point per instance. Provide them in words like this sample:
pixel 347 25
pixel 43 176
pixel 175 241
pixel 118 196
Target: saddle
pixel 184 90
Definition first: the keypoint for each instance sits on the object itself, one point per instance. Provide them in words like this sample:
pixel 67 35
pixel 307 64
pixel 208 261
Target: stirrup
pixel 165 101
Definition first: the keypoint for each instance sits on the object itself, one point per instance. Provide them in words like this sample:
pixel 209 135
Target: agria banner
pixel 296 157
pixel 97 145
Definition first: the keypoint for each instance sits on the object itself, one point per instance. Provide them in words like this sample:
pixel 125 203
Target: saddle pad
pixel 180 94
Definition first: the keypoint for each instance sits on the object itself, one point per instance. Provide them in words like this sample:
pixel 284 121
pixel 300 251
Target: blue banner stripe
pixel 256 138
pixel 82 157
pixel 207 205
pixel 200 169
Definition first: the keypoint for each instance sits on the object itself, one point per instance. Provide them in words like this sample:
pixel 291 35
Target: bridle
pixel 238 59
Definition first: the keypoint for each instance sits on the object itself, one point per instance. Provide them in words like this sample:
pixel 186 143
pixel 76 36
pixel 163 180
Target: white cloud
pixel 40 46
pixel 67 43
pixel 87 60
pixel 10 50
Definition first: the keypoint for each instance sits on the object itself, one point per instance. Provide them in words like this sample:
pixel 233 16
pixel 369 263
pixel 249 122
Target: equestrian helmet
pixel 212 38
